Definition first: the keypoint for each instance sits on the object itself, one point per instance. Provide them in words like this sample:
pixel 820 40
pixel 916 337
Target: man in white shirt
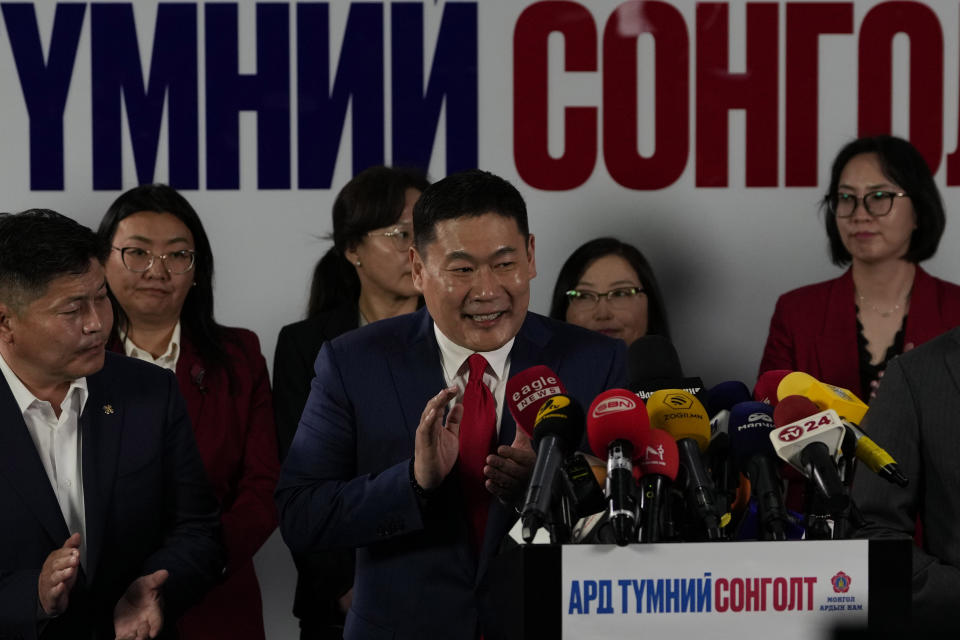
pixel 107 524
pixel 426 494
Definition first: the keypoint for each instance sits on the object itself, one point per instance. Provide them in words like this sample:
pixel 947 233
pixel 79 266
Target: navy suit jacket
pixel 345 481
pixel 147 501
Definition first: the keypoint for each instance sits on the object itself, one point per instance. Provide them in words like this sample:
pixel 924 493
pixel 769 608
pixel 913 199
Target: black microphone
pixel 557 430
pixel 750 426
pixel 582 487
pixel 720 400
pixel 809 440
pixel 653 364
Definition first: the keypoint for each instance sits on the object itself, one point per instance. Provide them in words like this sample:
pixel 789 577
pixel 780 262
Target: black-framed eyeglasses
pixel 402 237
pixel 139 260
pixel 619 298
pixel 876 203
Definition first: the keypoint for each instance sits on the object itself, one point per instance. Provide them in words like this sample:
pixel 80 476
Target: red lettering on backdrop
pixel 530 128
pixel 719 91
pixel 953 166
pixel 805 23
pixel 879 27
pixel 672 95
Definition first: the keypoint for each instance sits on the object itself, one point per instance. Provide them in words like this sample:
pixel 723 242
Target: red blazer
pixel 814 328
pixel 237 440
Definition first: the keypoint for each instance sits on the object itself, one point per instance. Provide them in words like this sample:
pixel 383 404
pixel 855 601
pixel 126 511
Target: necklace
pixel 883 313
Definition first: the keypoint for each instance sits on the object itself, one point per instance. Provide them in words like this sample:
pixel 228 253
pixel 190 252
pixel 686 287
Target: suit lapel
pixel 837 344
pixel 416 369
pixel 192 378
pixel 101 426
pixel 952 357
pixel 921 327
pixel 20 464
pixel 526 352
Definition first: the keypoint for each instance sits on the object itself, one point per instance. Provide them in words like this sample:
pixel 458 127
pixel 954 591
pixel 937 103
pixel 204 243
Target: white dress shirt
pixel 167 360
pixel 456 370
pixel 59 444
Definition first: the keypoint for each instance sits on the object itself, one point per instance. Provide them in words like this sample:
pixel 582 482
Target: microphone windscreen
pixel 766 388
pixel 527 391
pixel 562 417
pixel 792 409
pixel 795 383
pixel 616 414
pixel 651 358
pixel 680 414
pixel 750 427
pixel 658 455
pixel 725 395
pixel 825 396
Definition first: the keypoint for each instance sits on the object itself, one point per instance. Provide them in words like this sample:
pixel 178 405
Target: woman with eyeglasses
pixel 608 286
pixel 160 279
pixel 883 216
pixel 362 278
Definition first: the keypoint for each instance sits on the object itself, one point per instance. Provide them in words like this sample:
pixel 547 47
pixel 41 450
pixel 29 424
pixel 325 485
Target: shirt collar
pixel 24 397
pixel 453 356
pixel 171 355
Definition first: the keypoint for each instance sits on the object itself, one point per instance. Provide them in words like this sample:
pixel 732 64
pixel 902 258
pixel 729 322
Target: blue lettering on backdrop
pixel 229 92
pixel 117 76
pixel 453 77
pixel 45 85
pixel 359 81
pixel 117 72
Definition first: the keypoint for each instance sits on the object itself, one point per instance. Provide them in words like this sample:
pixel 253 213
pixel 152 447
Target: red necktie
pixel 477 434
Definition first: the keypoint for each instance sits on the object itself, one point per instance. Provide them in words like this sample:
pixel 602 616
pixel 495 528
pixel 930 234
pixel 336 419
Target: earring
pixel 357 263
pixel 194 283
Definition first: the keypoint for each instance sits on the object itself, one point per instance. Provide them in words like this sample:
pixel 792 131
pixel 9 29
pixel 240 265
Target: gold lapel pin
pixel 108 409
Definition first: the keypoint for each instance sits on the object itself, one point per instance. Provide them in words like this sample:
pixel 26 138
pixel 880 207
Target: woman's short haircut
pixel 585 255
pixel 903 165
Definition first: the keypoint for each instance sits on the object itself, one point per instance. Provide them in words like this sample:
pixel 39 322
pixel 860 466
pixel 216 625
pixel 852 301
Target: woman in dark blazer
pixel 883 215
pixel 363 278
pixel 160 277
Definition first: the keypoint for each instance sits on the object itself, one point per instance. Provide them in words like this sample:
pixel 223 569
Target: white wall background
pixel 722 255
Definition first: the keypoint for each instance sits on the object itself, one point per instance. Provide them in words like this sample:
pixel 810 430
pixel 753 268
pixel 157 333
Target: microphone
pixel 810 444
pixel 616 422
pixel 582 486
pixel 852 410
pixel 658 460
pixel 653 364
pixel 750 427
pixel 876 458
pixel 720 399
pixel 557 430
pixel 681 415
pixel 825 396
pixel 527 391
pixel 766 388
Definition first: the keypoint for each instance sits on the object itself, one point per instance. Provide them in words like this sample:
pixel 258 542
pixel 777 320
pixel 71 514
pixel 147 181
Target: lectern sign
pixel 792 589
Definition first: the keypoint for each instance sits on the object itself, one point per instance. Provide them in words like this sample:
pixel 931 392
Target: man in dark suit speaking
pixel 376 464
pixel 108 527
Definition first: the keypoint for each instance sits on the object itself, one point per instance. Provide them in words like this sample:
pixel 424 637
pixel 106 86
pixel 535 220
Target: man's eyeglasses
pixel 619 298
pixel 402 237
pixel 876 203
pixel 139 260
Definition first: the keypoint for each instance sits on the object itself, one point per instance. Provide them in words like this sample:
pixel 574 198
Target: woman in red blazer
pixel 160 277
pixel 883 215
